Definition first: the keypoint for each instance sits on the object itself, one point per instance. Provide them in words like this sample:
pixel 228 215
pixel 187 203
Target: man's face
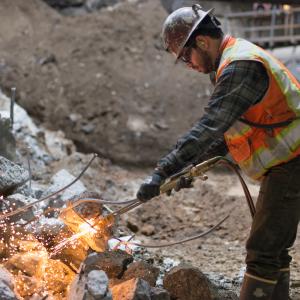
pixel 198 60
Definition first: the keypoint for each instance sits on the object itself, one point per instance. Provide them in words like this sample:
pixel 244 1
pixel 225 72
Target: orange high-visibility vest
pixel 257 149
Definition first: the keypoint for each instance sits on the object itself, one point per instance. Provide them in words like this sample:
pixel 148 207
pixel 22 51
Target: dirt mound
pixel 103 78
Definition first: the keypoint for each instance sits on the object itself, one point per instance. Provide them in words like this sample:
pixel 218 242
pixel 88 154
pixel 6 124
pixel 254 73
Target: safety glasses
pixel 186 54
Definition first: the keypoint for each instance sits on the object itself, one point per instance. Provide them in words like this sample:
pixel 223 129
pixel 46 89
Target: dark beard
pixel 209 65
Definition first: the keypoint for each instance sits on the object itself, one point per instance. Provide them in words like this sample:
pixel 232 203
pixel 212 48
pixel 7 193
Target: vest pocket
pixel 239 148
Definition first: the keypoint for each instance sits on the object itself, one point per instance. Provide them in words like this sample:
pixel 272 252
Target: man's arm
pixel 217 148
pixel 241 85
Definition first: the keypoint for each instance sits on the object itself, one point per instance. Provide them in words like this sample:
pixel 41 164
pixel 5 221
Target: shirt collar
pixel 223 45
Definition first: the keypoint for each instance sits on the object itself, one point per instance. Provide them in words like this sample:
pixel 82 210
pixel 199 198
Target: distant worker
pixel 253 113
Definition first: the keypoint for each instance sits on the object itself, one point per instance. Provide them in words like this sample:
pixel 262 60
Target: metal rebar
pixel 29 169
pixel 12 104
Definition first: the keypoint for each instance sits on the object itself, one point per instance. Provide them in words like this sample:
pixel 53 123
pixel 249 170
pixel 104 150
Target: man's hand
pixel 150 188
pixel 184 183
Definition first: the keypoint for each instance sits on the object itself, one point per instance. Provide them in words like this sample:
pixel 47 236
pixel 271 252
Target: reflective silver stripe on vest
pixel 279 146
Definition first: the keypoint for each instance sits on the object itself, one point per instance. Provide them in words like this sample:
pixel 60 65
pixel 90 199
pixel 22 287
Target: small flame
pixel 84 229
pixel 95 231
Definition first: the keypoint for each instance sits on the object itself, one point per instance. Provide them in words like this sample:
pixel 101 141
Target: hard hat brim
pixel 179 54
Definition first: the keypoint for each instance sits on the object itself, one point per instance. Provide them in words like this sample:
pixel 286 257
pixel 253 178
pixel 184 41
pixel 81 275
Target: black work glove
pixel 150 188
pixel 184 183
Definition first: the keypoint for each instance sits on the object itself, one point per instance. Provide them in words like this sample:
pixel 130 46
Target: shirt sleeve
pixel 241 85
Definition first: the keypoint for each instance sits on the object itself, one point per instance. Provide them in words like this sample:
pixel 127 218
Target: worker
pixel 253 113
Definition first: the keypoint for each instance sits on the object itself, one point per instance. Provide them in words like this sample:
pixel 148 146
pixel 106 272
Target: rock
pixel 6 293
pixel 57 145
pixel 26 286
pixel 189 283
pixel 88 128
pixel 131 225
pixel 227 295
pixel 159 294
pixel 48 59
pixel 113 263
pixel 121 243
pixel 28 263
pixel 97 4
pixel 16 201
pixel 71 256
pixel 133 289
pixel 11 176
pixel 88 209
pixel 97 285
pixel 7 140
pixel 90 286
pixel 143 271
pixel 148 229
pixel 58 181
pixel 46 230
pixel 30 138
pixel 6 278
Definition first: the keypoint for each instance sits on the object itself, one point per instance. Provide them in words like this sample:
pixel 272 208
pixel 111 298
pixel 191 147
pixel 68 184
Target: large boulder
pixel 189 283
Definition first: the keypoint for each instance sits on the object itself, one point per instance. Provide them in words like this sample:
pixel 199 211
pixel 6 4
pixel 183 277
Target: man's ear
pixel 201 42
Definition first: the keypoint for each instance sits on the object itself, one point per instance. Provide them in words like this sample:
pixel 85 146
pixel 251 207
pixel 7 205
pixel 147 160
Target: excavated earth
pixel 104 79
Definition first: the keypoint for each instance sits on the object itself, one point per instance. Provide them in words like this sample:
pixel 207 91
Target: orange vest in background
pixel 257 149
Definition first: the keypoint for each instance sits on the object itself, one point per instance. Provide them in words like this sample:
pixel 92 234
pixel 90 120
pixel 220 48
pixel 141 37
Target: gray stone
pixel 189 283
pixel 11 176
pixel 97 284
pixel 6 293
pixel 6 278
pixel 7 140
pixel 227 295
pixel 90 286
pixel 57 145
pixel 133 289
pixel 6 285
pixel 159 294
pixel 29 136
pixel 88 128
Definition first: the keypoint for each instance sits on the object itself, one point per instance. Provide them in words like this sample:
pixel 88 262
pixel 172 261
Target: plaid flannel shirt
pixel 241 85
